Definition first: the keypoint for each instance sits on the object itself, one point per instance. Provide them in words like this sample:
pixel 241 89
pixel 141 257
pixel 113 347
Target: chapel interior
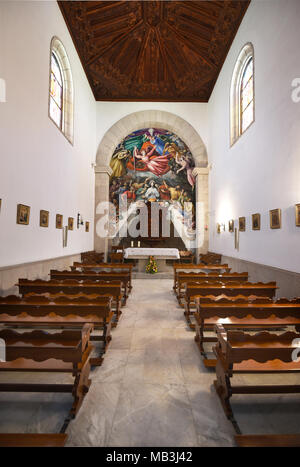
pixel 150 223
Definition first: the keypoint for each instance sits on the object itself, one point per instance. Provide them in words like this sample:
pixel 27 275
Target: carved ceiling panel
pixel 153 50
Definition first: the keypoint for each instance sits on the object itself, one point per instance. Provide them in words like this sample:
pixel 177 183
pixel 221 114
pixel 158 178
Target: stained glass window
pixel 56 92
pixel 246 96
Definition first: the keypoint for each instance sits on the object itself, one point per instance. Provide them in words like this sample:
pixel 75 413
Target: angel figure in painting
pixel 185 164
pixel 116 163
pixel 158 165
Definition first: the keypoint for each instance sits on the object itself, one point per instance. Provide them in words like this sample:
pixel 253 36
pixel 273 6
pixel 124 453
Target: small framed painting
pixel 218 228
pixel 59 221
pixel 297 214
pixel 275 219
pixel 23 214
pixel 0 204
pixel 70 223
pixel 242 224
pixel 87 226
pixel 44 218
pixel 231 225
pixel 256 221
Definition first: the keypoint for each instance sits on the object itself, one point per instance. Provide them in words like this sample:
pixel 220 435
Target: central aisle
pixel 152 389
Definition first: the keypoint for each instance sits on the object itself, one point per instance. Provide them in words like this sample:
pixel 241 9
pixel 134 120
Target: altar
pixel 143 254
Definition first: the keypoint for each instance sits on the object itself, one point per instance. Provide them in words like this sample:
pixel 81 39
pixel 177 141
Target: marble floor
pixel 152 389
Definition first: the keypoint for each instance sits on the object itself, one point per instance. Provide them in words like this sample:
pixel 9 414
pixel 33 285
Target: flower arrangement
pixel 151 267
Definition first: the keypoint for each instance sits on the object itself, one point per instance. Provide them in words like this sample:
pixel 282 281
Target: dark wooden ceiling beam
pixel 111 20
pixel 114 42
pixel 137 69
pixel 104 6
pixel 167 68
pixel 191 46
pixel 171 51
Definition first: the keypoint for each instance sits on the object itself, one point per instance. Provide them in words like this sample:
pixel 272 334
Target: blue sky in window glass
pixel 55 92
pixel 247 96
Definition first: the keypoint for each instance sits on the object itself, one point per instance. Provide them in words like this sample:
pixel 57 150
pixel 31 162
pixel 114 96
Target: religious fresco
pixel 153 165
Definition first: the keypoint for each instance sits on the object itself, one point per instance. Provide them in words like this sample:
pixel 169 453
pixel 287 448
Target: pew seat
pixel 242 313
pixel 230 289
pixel 30 440
pixel 61 311
pixel 40 351
pixel 268 441
pixel 260 353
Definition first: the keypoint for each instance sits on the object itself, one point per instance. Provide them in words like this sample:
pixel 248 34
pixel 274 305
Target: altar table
pixel 160 255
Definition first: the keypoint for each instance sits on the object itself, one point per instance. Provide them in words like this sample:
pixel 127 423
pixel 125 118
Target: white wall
pixel 108 113
pixel 38 166
pixel 262 170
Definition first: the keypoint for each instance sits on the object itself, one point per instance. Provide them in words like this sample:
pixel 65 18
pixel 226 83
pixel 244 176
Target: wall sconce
pixel 79 220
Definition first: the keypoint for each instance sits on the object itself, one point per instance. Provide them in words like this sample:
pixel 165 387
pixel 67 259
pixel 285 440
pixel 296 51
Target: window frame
pixel 247 62
pixel 62 92
pixel 67 116
pixel 235 122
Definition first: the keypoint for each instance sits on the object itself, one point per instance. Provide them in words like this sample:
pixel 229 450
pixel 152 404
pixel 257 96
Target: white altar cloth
pixel 159 253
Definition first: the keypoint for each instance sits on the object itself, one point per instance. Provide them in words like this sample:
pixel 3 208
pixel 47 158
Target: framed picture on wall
pixel 59 221
pixel 242 224
pixel 23 214
pixel 0 204
pixel 256 221
pixel 275 218
pixel 70 223
pixel 297 214
pixel 218 228
pixel 87 226
pixel 44 218
pixel 231 225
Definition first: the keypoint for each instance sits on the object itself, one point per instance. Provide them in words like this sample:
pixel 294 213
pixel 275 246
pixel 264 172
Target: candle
pixel 132 244
pixel 139 243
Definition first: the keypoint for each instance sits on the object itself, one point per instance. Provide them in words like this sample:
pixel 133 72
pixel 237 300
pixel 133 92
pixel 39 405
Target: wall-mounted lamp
pixel 79 220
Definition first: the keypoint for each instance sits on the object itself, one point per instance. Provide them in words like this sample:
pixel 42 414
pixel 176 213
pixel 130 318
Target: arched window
pixel 242 93
pixel 56 92
pixel 61 89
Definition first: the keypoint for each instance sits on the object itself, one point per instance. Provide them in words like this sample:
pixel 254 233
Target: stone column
pixel 102 174
pixel 202 212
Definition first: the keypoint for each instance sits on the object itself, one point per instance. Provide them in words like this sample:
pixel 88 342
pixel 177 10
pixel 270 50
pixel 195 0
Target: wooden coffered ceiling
pixel 153 50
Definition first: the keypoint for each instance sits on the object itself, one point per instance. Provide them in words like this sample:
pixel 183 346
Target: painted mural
pixel 152 165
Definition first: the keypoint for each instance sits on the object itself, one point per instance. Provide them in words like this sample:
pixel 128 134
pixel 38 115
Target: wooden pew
pixel 124 277
pixel 190 277
pixel 229 289
pixel 102 266
pixel 210 258
pixel 116 258
pixel 268 441
pixel 72 286
pixel 92 257
pixel 177 267
pixel 186 257
pixel 243 313
pixel 33 440
pixel 262 353
pixel 40 351
pixel 61 311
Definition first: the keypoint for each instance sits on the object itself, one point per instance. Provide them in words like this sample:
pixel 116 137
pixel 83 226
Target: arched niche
pixel 167 121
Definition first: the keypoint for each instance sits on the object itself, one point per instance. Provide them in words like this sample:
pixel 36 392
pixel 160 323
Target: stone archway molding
pixel 153 119
pixel 148 119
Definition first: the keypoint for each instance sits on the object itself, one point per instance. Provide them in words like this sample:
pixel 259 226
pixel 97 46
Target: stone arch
pixel 149 119
pixel 157 119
